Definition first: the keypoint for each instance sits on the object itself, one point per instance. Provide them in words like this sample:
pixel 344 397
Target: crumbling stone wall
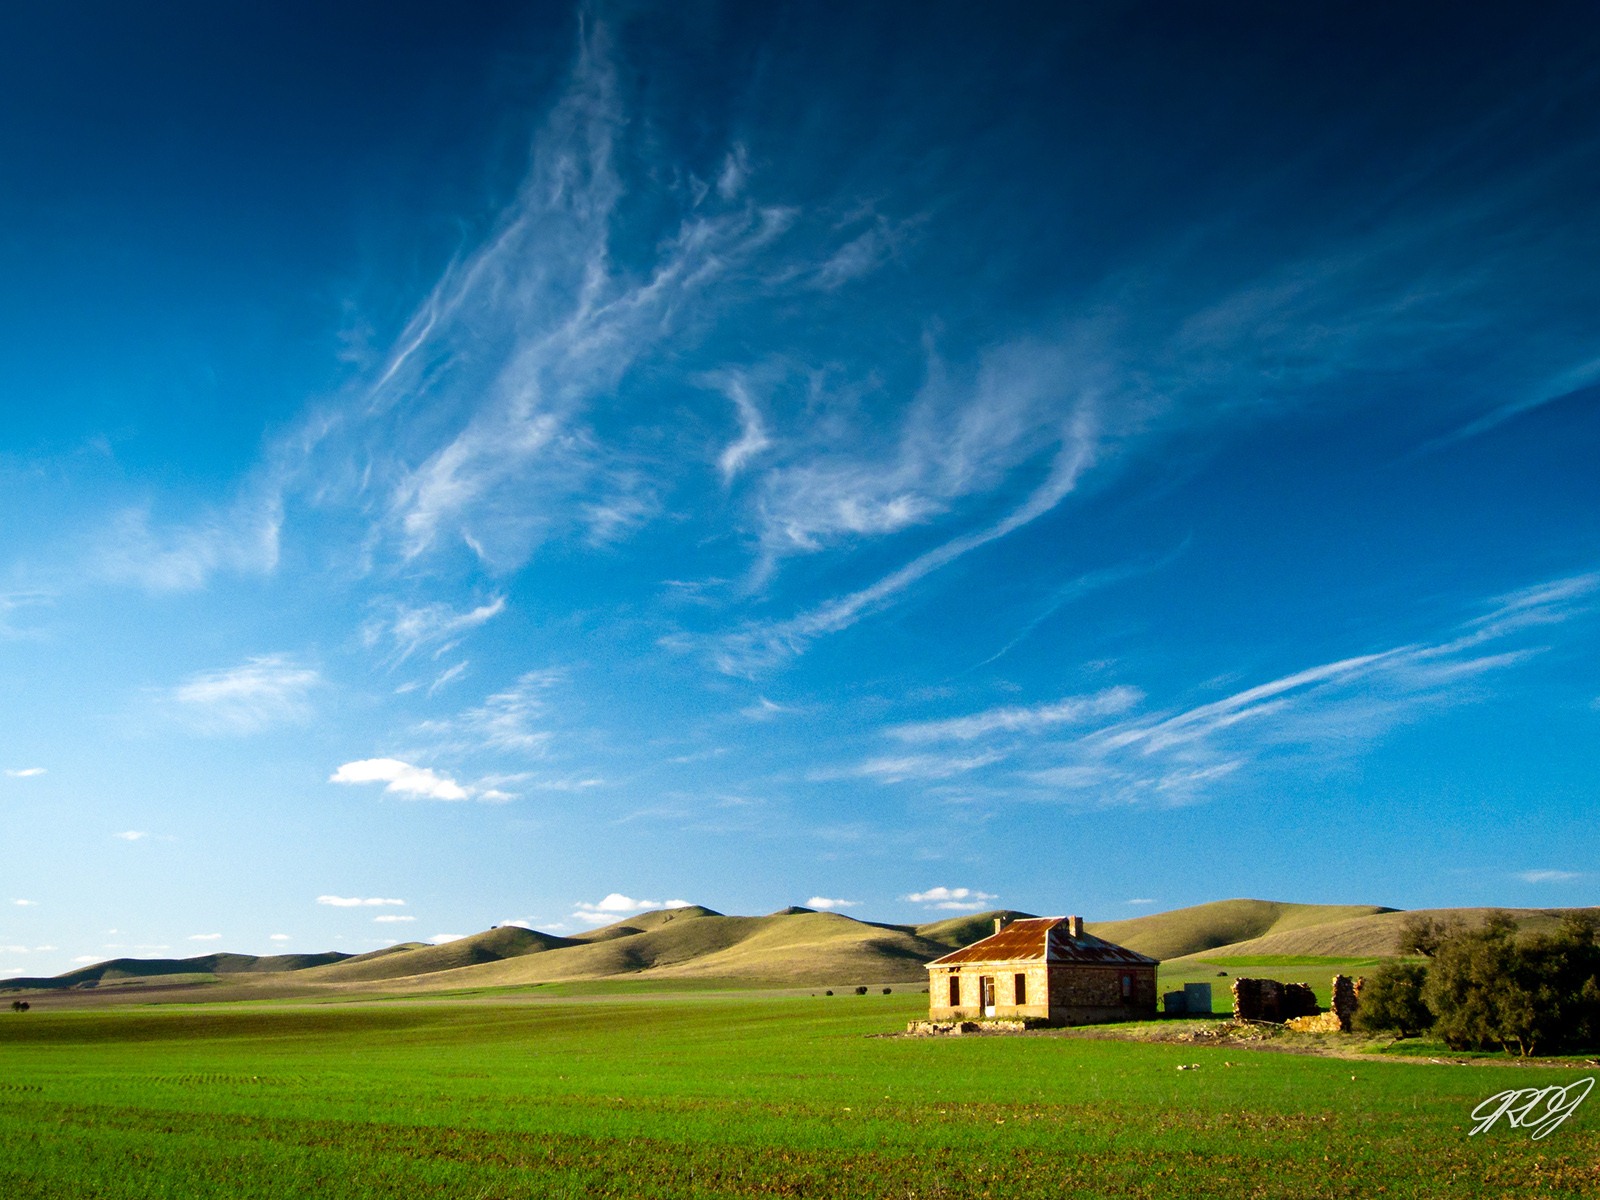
pixel 1346 999
pixel 1270 1000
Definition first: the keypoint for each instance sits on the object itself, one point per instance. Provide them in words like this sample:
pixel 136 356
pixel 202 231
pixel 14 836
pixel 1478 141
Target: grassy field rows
pixel 724 1096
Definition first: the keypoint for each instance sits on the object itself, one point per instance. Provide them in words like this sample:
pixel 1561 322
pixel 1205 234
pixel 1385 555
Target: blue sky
pixel 541 465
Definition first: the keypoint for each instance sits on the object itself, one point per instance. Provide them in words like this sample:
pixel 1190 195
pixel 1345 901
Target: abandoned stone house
pixel 1046 968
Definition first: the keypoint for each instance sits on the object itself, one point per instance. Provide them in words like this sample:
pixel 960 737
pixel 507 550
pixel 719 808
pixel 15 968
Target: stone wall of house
pixel 1270 1000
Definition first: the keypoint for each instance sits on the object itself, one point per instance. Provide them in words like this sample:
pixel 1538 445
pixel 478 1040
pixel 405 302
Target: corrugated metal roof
pixel 1044 939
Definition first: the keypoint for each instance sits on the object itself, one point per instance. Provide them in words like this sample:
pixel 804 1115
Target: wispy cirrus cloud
pixel 12 604
pixel 1331 709
pixel 239 539
pixel 25 772
pixel 1074 710
pixel 753 437
pixel 509 720
pixel 261 693
pixel 360 902
pixel 1548 875
pixel 411 629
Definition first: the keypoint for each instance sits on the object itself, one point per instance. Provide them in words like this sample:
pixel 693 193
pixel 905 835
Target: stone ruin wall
pixel 1295 1005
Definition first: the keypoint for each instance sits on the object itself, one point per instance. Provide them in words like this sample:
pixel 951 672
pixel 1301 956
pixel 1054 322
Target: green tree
pixel 1391 1001
pixel 1489 988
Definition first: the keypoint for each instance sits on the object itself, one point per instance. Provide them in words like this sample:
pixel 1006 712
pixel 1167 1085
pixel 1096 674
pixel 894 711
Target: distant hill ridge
pixel 795 946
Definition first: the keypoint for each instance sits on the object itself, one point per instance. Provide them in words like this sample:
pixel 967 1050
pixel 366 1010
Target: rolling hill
pixel 1186 931
pixel 794 947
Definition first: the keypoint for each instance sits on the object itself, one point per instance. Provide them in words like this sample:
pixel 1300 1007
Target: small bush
pixel 886 991
pixel 1391 1001
pixel 862 990
pixel 829 992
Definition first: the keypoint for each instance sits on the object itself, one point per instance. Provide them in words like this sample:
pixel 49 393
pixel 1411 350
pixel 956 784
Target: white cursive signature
pixel 1539 1109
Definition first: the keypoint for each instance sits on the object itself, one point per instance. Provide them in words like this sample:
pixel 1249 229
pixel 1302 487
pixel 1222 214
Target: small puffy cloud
pixel 392 918
pixel 131 835
pixel 955 899
pixel 26 903
pixel 440 939
pixel 277 937
pixel 262 692
pixel 205 937
pixel 824 903
pixel 359 901
pixel 1549 876
pixel 617 905
pixel 402 779
pixel 85 958
pixel 24 772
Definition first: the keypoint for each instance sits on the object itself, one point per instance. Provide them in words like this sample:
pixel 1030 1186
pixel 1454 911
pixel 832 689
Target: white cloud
pixel 952 899
pixel 205 937
pixel 764 710
pixel 448 676
pixel 85 958
pixel 1319 713
pixel 411 629
pixel 25 903
pixel 1140 901
pixel 402 779
pixel 358 902
pixel 762 645
pixel 278 937
pixel 392 918
pixel 905 767
pixel 1547 875
pixel 824 903
pixel 242 539
pixel 507 720
pixel 25 772
pixel 753 438
pixel 616 905
pixel 131 835
pixel 11 602
pixel 440 939
pixel 1074 710
pixel 263 692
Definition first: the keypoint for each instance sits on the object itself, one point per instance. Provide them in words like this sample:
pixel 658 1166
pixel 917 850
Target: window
pixel 955 990
pixel 1020 989
pixel 1127 986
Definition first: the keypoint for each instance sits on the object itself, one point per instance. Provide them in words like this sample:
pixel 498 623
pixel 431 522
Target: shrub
pixel 1489 989
pixel 886 991
pixel 829 992
pixel 1391 1001
pixel 862 990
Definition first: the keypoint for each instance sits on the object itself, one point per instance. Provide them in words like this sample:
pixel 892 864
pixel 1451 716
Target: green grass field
pixel 725 1095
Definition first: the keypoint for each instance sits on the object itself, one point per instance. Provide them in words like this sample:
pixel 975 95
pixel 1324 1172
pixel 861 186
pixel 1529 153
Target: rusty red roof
pixel 1044 939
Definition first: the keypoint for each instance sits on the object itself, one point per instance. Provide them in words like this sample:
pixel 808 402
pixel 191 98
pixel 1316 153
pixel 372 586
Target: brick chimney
pixel 1075 927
